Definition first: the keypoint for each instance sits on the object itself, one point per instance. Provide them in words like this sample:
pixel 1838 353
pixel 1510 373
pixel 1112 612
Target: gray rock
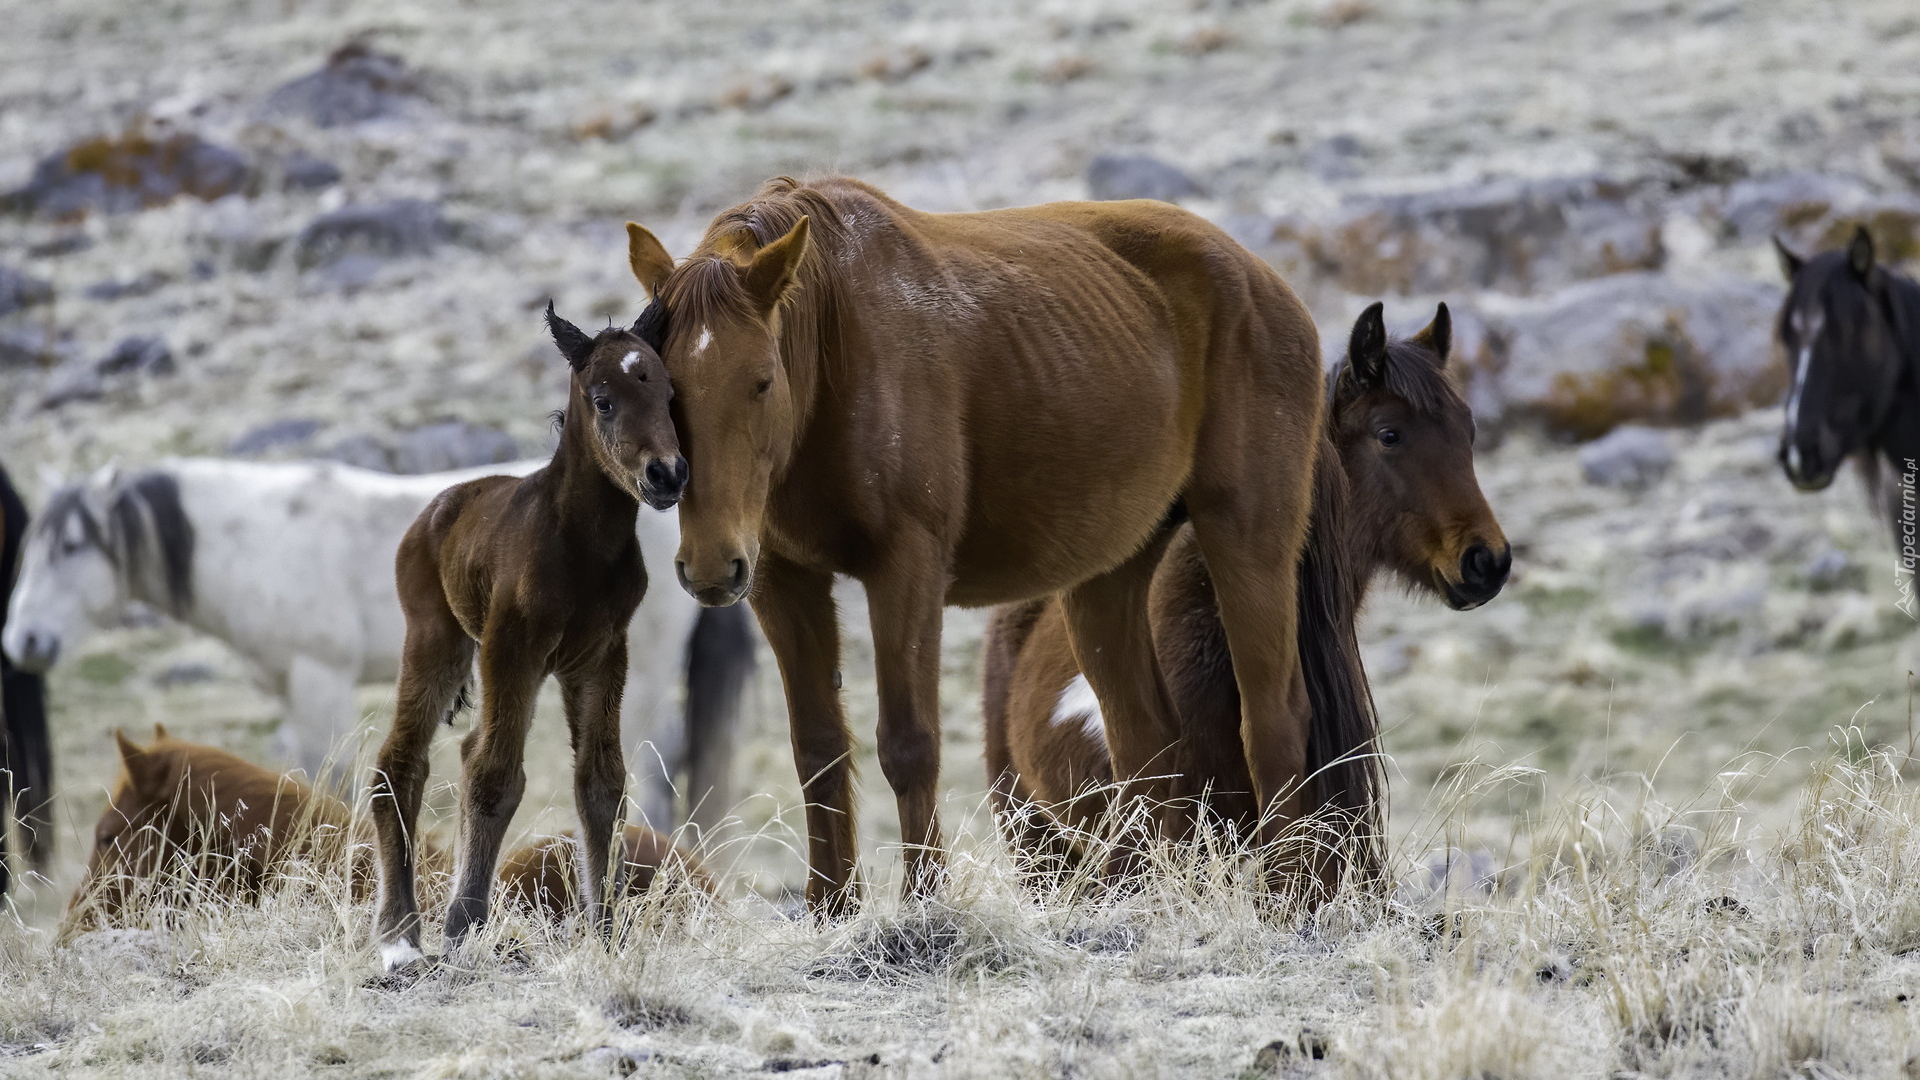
pixel 64 244
pixel 357 83
pixel 452 444
pixel 133 172
pixel 275 435
pixel 1341 157
pixel 119 290
pixel 1828 569
pixel 1137 176
pixel 186 673
pixel 33 346
pixel 18 291
pixel 148 354
pixel 304 172
pixel 73 381
pixel 376 231
pixel 362 451
pixel 1630 457
pixel 1512 235
pixel 1641 347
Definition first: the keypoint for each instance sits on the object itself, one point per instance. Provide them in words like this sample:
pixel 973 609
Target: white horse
pixel 292 565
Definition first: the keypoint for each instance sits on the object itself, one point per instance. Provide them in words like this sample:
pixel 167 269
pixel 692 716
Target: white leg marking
pixel 1078 704
pixel 398 955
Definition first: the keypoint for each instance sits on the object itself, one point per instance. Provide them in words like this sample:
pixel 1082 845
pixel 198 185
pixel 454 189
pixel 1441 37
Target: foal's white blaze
pixel 706 339
pixel 398 955
pixel 1078 704
pixel 627 361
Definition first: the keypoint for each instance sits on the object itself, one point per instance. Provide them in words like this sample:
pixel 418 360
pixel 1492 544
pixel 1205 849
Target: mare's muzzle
pixel 1806 466
pixel 664 481
pixel 34 652
pixel 717 593
pixel 1483 572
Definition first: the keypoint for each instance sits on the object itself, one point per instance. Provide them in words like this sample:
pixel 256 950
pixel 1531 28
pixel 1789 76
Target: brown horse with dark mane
pixel 981 408
pixel 1394 490
pixel 192 821
pixel 543 572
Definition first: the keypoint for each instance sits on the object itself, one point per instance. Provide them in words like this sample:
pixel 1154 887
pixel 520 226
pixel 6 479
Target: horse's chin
pixel 1811 483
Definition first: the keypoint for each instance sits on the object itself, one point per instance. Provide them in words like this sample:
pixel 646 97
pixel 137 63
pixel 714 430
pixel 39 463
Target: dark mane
pixel 146 528
pixel 1413 374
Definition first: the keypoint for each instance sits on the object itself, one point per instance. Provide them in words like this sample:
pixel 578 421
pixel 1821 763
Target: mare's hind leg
pixel 1113 644
pixel 491 759
pixel 435 663
pixel 592 696
pixel 796 611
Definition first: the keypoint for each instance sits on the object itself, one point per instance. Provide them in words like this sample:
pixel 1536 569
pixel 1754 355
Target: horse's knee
pixel 909 755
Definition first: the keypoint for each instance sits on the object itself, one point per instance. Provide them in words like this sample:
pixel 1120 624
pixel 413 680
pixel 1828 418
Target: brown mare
pixel 1394 490
pixel 543 572
pixel 980 408
pixel 202 820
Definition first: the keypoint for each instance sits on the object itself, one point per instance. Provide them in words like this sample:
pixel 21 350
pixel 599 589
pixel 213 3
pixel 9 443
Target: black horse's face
pixel 1843 359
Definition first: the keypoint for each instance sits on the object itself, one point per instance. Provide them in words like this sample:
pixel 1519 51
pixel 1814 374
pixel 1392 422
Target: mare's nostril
pixel 682 470
pixel 739 568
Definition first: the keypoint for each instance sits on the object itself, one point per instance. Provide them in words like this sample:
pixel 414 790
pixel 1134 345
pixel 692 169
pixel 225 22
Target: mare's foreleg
pixel 592 696
pixel 796 611
pixel 905 600
pixel 492 757
pixel 436 661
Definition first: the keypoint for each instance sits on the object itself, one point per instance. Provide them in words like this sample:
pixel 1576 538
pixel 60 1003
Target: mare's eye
pixel 602 405
pixel 760 388
pixel 1388 437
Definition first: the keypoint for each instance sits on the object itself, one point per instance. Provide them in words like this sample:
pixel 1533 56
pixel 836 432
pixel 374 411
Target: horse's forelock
pixel 1414 374
pixel 66 508
pixel 706 286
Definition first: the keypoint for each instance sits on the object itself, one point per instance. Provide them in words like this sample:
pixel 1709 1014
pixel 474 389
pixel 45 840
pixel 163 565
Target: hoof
pixel 397 955
pixel 405 975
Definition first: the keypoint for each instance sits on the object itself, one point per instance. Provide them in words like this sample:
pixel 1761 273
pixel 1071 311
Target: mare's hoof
pixel 405 975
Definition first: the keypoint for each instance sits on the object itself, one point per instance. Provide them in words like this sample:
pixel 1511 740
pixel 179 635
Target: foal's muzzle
pixel 664 481
pixel 1483 572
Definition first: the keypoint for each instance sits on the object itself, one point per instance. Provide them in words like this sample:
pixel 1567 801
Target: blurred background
pixel 285 229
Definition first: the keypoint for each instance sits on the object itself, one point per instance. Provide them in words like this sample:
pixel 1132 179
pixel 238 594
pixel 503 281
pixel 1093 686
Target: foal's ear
pixel 1437 336
pixel 771 274
pixel 1790 263
pixel 1860 251
pixel 648 257
pixel 140 767
pixel 1367 349
pixel 574 344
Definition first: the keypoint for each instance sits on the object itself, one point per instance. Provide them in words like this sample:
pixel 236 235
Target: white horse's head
pixel 86 555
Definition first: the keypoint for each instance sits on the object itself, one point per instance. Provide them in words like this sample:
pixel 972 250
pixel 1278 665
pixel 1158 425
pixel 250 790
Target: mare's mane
pixel 145 527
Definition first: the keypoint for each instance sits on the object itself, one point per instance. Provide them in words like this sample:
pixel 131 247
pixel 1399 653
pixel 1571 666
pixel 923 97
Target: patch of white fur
pixel 627 361
pixel 398 955
pixel 1079 704
pixel 1809 330
pixel 706 339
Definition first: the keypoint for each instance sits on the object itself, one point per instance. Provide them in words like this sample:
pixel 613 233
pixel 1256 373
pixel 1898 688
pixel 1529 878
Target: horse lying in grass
pixel 291 564
pixel 543 575
pixel 1394 490
pixel 1851 331
pixel 26 785
pixel 981 408
pixel 186 822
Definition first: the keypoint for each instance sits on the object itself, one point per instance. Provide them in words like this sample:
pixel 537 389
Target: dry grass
pixel 1603 946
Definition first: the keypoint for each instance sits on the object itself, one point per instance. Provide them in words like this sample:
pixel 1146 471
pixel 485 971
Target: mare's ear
pixel 1860 251
pixel 159 731
pixel 1367 349
pixel 574 344
pixel 1437 335
pixel 648 257
pixel 771 274
pixel 1790 263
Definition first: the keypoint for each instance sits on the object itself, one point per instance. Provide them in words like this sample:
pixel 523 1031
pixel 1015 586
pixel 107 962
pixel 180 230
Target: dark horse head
pixel 1405 439
pixel 620 401
pixel 1847 326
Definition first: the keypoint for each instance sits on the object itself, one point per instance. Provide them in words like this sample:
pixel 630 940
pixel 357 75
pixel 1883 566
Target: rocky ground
pixel 287 229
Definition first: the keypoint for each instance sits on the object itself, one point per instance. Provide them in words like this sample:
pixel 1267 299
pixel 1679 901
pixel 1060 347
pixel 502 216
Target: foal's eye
pixel 1389 437
pixel 602 405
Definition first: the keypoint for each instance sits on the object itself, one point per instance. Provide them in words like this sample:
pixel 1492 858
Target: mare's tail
pixel 720 658
pixel 23 704
pixel 1348 784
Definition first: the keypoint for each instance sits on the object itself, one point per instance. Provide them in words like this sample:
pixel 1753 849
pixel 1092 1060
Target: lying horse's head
pixel 189 817
pixel 735 403
pixel 620 399
pixel 1405 439
pixel 1839 331
pixel 99 543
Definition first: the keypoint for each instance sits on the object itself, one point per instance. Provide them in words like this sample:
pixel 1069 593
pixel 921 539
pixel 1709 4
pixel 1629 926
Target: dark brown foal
pixel 544 574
